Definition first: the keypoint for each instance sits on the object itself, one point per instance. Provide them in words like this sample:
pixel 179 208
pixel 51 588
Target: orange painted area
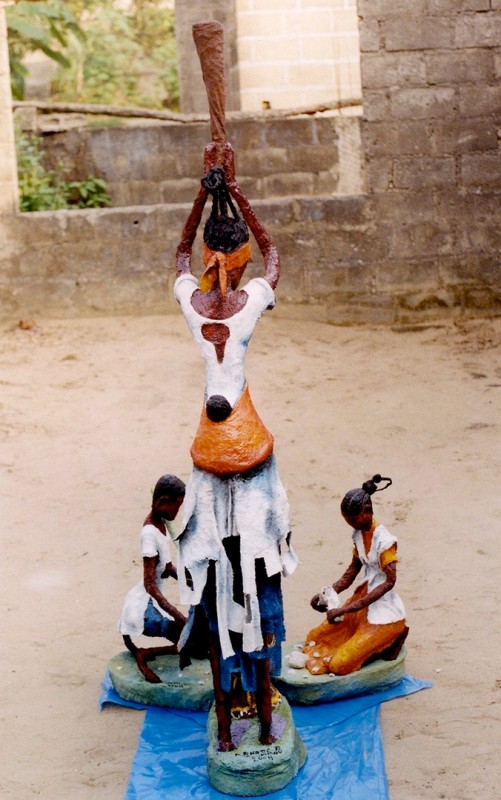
pixel 237 444
pixel 345 646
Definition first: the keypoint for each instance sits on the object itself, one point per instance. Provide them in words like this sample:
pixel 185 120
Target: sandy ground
pixel 93 411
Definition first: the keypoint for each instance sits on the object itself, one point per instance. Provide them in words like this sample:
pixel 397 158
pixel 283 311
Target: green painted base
pixel 302 688
pixel 253 769
pixel 190 689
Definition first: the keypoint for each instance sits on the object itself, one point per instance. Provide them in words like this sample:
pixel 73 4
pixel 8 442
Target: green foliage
pixel 128 57
pixel 45 26
pixel 41 189
pixel 90 193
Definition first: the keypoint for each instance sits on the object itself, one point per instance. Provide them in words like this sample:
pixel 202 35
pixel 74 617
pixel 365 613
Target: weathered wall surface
pixel 8 168
pixel 118 261
pixel 432 110
pixel 164 163
pixel 420 240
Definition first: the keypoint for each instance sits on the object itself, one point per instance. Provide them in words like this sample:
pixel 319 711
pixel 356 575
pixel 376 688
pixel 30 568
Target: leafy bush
pixel 128 57
pixel 41 189
pixel 107 54
pixel 39 26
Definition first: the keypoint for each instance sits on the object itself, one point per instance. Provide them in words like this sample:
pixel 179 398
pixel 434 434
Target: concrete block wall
pixel 297 52
pixel 432 116
pixel 419 240
pixel 164 163
pixel 121 260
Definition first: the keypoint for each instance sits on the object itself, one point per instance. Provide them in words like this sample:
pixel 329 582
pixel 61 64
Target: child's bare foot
pixel 148 673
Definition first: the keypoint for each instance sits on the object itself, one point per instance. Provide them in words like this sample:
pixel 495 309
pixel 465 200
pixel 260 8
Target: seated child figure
pixel 372 622
pixel 146 610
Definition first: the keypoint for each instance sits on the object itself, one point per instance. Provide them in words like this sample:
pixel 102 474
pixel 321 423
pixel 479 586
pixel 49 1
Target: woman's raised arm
pixel 226 159
pixel 183 252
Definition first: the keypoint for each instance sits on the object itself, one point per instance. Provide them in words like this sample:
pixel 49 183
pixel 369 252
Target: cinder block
pixel 400 208
pixel 417 173
pixel 377 105
pixel 295 183
pixel 370 35
pixel 406 273
pixel 481 169
pixel 427 103
pixel 393 139
pixel 478 30
pixel 463 136
pixel 178 191
pixel 382 9
pixel 386 70
pixel 379 174
pixel 456 6
pixel 421 239
pixel 428 33
pixel 469 66
pixel 282 133
pixel 325 131
pixel 475 103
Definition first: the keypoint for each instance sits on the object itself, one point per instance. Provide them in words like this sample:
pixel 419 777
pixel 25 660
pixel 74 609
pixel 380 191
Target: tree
pixel 128 58
pixel 45 26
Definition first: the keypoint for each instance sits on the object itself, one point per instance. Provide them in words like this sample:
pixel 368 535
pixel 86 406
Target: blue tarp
pixel 345 750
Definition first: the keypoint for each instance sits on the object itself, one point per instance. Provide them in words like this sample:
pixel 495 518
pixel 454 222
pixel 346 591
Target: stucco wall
pixel 297 52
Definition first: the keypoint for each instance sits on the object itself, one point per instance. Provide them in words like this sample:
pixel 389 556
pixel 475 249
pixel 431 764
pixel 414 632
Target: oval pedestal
pixel 254 769
pixel 302 688
pixel 190 689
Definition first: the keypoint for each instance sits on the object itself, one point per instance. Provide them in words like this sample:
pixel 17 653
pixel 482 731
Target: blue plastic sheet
pixel 345 751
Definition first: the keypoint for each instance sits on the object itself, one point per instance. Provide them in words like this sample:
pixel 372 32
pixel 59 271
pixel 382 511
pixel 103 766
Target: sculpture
pixel 236 534
pixel 146 610
pixel 372 622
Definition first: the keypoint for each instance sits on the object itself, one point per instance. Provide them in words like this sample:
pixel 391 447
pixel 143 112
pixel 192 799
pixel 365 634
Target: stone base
pixel 254 769
pixel 190 689
pixel 302 688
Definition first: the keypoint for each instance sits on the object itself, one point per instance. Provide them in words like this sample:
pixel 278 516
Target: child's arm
pixel 349 575
pixel 340 585
pixel 391 576
pixel 150 584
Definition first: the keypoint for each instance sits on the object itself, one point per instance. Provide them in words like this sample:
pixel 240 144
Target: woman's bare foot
pixel 267 737
pixel 224 744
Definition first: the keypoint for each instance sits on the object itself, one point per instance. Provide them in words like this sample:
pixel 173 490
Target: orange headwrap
pixel 218 264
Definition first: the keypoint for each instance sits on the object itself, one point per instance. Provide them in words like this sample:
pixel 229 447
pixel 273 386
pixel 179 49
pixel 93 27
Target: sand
pixel 94 411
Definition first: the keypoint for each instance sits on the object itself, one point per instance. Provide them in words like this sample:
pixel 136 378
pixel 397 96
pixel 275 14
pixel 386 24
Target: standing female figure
pixel 236 530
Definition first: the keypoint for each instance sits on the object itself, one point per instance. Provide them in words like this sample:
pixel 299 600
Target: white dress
pixel 251 505
pixel 153 543
pixel 389 607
